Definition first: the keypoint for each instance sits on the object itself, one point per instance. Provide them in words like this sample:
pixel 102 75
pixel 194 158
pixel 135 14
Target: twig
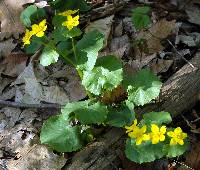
pixel 196 120
pixel 180 54
pixel 25 105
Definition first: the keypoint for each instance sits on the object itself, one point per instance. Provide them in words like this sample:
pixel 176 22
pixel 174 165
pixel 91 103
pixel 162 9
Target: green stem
pixel 74 49
pixel 80 73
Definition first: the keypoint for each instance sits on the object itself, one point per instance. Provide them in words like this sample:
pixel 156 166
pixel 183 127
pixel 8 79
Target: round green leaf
pixel 119 117
pixel 94 113
pixel 157 118
pixel 87 49
pixel 58 134
pixel 143 87
pixel 140 17
pixel 62 33
pixel 100 79
pixel 63 5
pixel 175 150
pixel 87 112
pixel 48 56
pixel 25 16
pixel 146 152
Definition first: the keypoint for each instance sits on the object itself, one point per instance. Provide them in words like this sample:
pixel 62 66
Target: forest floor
pixel 27 90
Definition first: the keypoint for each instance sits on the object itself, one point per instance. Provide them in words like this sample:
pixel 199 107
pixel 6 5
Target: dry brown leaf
pixel 37 157
pixel 6 47
pixel 10 17
pixel 152 37
pixel 160 66
pixel 193 12
pixel 117 95
pixel 103 25
pixel 193 158
pixel 14 64
pixel 120 45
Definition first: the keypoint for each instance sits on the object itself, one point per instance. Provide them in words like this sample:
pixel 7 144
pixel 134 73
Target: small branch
pixel 180 54
pixel 25 105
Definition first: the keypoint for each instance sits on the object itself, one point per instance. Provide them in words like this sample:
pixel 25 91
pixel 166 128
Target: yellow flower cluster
pixel 177 136
pixel 156 135
pixel 37 30
pixel 138 133
pixel 71 21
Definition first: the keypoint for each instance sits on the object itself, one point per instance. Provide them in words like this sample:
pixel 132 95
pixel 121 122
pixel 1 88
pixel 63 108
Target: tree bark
pixel 106 10
pixel 179 93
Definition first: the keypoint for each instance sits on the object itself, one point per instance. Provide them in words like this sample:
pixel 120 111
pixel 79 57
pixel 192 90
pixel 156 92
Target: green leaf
pixel 146 152
pixel 87 112
pixel 48 56
pixel 175 150
pixel 95 113
pixel 62 34
pixel 100 79
pixel 72 107
pixel 109 62
pixel 25 16
pixel 142 10
pixel 63 5
pixel 119 117
pixel 143 88
pixel 64 47
pixel 58 134
pixel 35 44
pixel 87 49
pixel 140 17
pixel 58 20
pixel 130 105
pixel 157 118
pixel 39 15
pixel 106 75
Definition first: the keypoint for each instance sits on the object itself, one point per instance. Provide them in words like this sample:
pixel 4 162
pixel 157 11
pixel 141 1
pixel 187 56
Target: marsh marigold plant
pixel 149 139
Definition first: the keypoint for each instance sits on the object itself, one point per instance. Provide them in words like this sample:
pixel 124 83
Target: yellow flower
pixel 139 135
pixel 157 134
pixel 27 37
pixel 68 12
pixel 177 136
pixel 71 22
pixel 132 127
pixel 39 29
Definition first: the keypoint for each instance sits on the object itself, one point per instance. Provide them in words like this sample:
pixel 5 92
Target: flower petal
pixel 146 137
pixel 135 122
pixel 162 138
pixel 178 130
pixel 170 133
pixel 154 128
pixel 163 129
pixel 173 142
pixel 143 129
pixel 180 142
pixel 184 135
pixel 42 23
pixel 40 34
pixel 138 141
pixel 155 140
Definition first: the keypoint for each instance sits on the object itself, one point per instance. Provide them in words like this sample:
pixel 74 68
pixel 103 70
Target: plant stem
pixel 73 46
pixel 80 73
pixel 74 50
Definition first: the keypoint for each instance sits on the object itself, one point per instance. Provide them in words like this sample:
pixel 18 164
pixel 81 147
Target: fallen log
pixel 179 93
pixel 106 10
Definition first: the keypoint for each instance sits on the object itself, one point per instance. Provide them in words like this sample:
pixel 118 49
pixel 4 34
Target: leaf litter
pixel 60 83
